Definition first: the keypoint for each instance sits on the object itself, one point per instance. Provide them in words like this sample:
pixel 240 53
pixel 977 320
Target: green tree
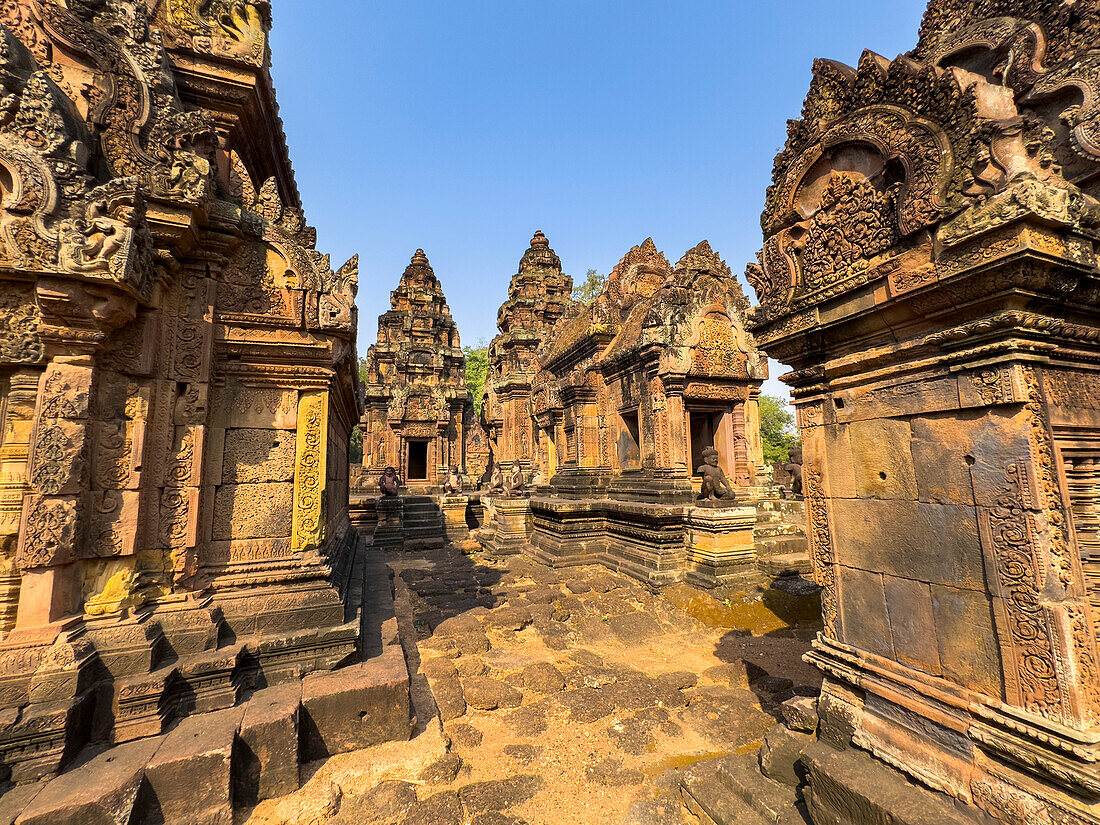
pixel 590 289
pixel 355 446
pixel 477 370
pixel 363 374
pixel 777 429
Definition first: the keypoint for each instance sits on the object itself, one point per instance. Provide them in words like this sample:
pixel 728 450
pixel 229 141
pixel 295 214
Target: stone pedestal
pixel 454 518
pixel 509 525
pixel 721 549
pixel 389 534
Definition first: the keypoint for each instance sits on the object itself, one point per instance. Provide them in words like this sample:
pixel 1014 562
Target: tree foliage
pixel 477 370
pixel 589 289
pixel 777 429
pixel 355 446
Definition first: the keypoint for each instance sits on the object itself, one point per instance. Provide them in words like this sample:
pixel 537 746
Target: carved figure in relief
pixel 715 484
pixel 453 485
pixel 88 243
pixel 389 481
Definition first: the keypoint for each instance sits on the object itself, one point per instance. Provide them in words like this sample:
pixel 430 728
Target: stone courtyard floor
pixel 564 696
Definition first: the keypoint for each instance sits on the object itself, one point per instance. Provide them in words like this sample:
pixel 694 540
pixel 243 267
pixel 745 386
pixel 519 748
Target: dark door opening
pixel 630 454
pixel 703 428
pixel 418 460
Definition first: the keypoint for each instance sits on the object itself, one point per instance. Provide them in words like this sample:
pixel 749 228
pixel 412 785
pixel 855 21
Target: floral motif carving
pixel 855 223
pixel 309 471
pixel 50 535
pixel 821 547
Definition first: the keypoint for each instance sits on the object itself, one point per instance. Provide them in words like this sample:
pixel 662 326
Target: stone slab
pixel 15 800
pixel 265 764
pixel 357 706
pixel 102 791
pixel 188 780
pixel 852 786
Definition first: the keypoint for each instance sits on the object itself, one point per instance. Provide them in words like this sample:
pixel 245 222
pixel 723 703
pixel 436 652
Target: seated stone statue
pixel 715 484
pixel 496 480
pixel 516 484
pixel 388 482
pixel 453 486
pixel 794 467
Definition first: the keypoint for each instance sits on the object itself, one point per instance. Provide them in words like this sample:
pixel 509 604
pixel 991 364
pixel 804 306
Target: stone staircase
pixel 423 523
pixel 733 791
pixel 780 537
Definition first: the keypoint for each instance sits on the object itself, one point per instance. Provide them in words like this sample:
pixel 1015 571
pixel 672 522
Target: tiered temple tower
pixel 538 296
pixel 417 406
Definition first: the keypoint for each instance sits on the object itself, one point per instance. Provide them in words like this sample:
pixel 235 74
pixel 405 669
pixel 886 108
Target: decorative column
pixel 53 511
pixel 754 443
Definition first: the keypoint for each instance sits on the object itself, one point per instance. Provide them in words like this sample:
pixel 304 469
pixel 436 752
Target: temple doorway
pixel 704 425
pixel 713 428
pixel 418 459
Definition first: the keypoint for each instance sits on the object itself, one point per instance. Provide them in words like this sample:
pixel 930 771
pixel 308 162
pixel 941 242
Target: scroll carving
pixel 309 470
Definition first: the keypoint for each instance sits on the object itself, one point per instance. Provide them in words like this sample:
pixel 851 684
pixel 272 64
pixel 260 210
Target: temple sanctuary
pixel 538 296
pixel 631 393
pixel 178 385
pixel 418 415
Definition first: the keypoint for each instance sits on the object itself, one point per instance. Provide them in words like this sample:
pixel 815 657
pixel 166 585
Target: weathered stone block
pixel 800 713
pixel 943 448
pixel 265 762
pixel 910 613
pixel 851 786
pixel 356 706
pixel 780 753
pixel 967 641
pixel 940 541
pixel 863 611
pixel 102 791
pixel 258 455
pixel 882 462
pixel 256 408
pixel 249 511
pixel 188 780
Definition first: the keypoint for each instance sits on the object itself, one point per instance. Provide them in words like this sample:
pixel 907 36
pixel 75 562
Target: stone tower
pixel 177 382
pixel 416 398
pixel 631 391
pixel 929 273
pixel 538 296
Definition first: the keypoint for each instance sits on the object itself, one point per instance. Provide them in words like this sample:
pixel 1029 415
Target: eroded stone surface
pixel 589 727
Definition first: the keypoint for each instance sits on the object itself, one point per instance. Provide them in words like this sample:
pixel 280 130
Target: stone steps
pixel 781 545
pixel 732 791
pixel 210 763
pixel 785 564
pixel 422 523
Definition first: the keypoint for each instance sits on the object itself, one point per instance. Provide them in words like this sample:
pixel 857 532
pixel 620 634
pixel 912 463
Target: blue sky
pixel 462 128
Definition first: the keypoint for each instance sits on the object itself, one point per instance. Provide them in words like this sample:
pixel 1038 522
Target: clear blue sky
pixel 462 128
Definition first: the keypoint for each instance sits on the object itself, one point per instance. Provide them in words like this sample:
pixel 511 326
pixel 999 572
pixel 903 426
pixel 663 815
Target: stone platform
pixel 212 762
